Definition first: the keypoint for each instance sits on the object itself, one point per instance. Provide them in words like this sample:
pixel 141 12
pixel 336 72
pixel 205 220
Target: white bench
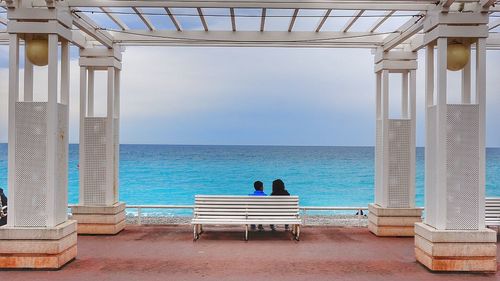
pixel 492 211
pixel 245 210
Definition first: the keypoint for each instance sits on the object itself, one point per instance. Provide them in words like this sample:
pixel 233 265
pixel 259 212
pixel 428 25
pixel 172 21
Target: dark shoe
pixel 261 228
pixel 287 228
pixel 252 227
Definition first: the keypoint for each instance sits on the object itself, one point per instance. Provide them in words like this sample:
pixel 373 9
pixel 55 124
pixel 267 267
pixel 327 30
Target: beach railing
pixel 303 209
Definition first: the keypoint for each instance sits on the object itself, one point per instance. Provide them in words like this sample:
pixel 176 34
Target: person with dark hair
pixel 3 203
pixel 259 191
pixel 279 190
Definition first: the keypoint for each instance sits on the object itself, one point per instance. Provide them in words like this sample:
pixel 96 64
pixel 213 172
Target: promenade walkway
pixel 168 253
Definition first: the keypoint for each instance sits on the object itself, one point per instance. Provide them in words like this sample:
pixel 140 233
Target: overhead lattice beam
pixel 173 19
pixel 263 19
pixel 494 24
pixel 407 30
pixel 233 19
pixel 487 3
pixel 144 19
pixel 202 19
pixel 446 3
pixel 292 20
pixel 323 20
pixel 114 18
pixel 352 20
pixel 380 21
pixel 378 5
pixel 87 25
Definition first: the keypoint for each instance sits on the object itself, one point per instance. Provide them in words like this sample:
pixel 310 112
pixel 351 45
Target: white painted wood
pixel 323 20
pixel 292 20
pixel 380 21
pixel 429 134
pixel 52 126
pixel 404 95
pixel 385 137
pixel 352 20
pixel 407 30
pixel 110 133
pixel 441 103
pixel 144 18
pixel 65 75
pixel 173 19
pixel 413 138
pixel 233 19
pixel 83 114
pixel 28 78
pixel 13 98
pixel 481 101
pixel 114 18
pixel 86 24
pixel 90 95
pixel 411 5
pixel 466 83
pixel 202 19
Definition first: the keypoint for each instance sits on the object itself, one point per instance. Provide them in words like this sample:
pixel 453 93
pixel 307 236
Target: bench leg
pixel 195 232
pixel 246 232
pixel 297 233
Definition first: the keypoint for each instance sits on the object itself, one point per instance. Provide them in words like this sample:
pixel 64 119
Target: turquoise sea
pixel 321 176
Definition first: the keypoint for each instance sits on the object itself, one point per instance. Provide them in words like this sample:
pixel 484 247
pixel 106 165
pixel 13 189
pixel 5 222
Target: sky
pixel 250 96
pixel 257 96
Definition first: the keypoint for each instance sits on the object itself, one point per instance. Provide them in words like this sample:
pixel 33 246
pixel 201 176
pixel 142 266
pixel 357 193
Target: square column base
pixel 456 250
pixel 105 220
pixel 393 221
pixel 38 247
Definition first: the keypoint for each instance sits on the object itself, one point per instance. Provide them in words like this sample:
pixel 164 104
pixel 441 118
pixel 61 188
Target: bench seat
pixel 245 210
pixel 492 211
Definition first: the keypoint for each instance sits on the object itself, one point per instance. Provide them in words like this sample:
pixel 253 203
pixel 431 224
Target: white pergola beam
pixel 323 20
pixel 352 20
pixel 114 18
pixel 407 30
pixel 263 19
pixel 380 21
pixel 87 25
pixel 379 5
pixel 292 20
pixel 486 3
pixel 446 3
pixel 233 19
pixel 494 24
pixel 173 19
pixel 144 19
pixel 202 19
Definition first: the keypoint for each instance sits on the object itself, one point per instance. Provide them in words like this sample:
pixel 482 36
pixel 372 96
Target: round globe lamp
pixel 458 56
pixel 38 51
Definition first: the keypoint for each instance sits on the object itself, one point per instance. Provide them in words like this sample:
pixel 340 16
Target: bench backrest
pixel 492 210
pixel 252 207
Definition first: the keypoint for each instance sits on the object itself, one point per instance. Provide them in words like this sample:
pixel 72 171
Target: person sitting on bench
pixel 279 190
pixel 259 191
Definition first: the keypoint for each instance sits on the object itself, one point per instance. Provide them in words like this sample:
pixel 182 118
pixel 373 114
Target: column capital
pixel 395 61
pixel 101 58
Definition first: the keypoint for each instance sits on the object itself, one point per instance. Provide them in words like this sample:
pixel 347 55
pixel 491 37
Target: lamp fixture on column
pixel 38 50
pixel 458 56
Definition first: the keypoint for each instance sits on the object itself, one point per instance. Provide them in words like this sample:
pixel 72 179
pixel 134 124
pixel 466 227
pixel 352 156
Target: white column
pixel 385 135
pixel 28 77
pixel 466 83
pixel 90 94
pixel 13 98
pixel 83 114
pixel 404 96
pixel 441 103
pixel 413 136
pixel 110 133
pixel 52 128
pixel 481 101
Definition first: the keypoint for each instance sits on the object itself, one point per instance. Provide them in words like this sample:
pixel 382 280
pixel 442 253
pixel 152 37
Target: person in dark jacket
pixel 3 200
pixel 279 190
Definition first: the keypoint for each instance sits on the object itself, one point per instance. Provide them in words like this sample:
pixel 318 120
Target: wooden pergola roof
pixel 386 24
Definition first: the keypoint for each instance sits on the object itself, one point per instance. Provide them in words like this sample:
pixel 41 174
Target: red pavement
pixel 168 253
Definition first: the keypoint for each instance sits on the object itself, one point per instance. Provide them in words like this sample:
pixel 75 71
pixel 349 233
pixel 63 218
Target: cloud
pixel 250 96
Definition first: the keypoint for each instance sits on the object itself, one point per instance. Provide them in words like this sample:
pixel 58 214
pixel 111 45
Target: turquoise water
pixel 321 176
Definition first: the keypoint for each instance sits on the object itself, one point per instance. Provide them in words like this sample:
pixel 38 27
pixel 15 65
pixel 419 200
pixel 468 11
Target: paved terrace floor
pixel 168 253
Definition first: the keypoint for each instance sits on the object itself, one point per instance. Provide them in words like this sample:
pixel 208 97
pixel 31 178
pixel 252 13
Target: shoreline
pixel 309 220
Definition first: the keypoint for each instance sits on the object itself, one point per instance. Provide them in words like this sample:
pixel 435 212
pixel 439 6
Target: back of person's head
pixel 258 185
pixel 1 190
pixel 278 186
